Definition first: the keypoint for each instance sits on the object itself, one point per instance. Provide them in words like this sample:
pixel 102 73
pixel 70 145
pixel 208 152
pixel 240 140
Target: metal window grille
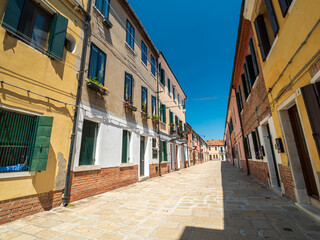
pixel 17 133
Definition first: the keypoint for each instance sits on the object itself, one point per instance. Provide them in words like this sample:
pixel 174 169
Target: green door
pixel 88 143
pixel 124 146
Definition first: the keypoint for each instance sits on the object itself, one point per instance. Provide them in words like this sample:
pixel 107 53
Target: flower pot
pixel 96 88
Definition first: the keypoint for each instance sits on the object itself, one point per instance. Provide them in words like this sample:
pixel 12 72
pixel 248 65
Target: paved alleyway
pixel 208 201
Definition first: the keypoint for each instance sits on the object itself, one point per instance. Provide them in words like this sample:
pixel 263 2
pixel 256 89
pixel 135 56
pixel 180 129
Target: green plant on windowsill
pixel 144 107
pixel 180 125
pixel 98 86
pixel 171 124
pixel 155 118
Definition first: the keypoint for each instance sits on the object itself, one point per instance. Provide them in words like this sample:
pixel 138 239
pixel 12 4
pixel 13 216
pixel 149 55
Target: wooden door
pixel 303 153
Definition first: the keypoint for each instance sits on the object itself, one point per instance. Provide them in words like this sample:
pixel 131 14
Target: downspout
pixel 78 99
pixel 158 100
pixel 242 132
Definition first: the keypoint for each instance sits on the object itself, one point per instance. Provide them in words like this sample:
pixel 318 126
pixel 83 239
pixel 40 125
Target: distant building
pixel 216 150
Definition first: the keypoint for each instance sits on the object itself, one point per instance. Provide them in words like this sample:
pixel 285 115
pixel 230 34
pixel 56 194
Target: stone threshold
pixel 310 210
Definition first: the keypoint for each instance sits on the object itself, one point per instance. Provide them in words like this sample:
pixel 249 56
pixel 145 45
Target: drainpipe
pixel 80 78
pixel 242 132
pixel 158 130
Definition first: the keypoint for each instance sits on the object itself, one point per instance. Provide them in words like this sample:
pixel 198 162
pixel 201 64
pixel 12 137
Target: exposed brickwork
pixel 154 169
pixel 315 68
pixel 260 171
pixel 14 209
pixel 89 183
pixel 244 165
pixel 287 180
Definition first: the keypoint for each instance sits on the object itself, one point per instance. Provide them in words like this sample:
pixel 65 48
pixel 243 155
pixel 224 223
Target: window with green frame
pixel 162 77
pixel 88 143
pixel 153 105
pixel 163 151
pixel 128 85
pixel 169 86
pixel 154 148
pixel 24 141
pixel 35 26
pixel 163 116
pixel 126 137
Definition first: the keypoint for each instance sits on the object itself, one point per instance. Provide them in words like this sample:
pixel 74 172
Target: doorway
pixel 303 154
pixel 142 155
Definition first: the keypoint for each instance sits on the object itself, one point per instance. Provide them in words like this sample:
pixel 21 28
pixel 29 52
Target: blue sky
pixel 198 41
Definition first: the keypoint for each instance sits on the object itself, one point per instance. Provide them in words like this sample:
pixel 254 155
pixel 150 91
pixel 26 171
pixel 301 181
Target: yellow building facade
pixel 288 34
pixel 40 55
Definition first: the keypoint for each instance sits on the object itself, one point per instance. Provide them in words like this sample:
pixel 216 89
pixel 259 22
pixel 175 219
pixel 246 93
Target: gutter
pixel 78 99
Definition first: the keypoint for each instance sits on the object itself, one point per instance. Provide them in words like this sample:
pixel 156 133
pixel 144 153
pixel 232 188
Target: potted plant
pixel 155 118
pixel 171 124
pixel 145 115
pixel 180 125
pixel 96 86
pixel 129 105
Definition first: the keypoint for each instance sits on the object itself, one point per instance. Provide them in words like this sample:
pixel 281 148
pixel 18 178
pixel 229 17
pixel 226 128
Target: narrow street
pixel 208 201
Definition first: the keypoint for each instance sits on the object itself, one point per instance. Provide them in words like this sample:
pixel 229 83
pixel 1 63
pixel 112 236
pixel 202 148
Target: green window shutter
pixel 57 36
pixel 164 114
pixel 41 144
pixel 124 146
pixel 12 15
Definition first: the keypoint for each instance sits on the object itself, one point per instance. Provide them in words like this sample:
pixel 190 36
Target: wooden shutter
pixel 244 86
pixel 250 70
pixel 284 6
pixel 12 15
pixel 164 113
pixel 311 97
pixel 41 144
pixel 262 35
pixel 272 17
pixel 246 77
pixel 57 36
pixel 124 146
pixel 254 58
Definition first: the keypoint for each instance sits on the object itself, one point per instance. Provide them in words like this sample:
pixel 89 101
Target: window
pixel 254 58
pixel 153 66
pixel 272 17
pixel 128 87
pixel 247 147
pixel 163 151
pixel 126 138
pixel 210 157
pixel 144 99
pixel 154 148
pixel 230 126
pixel 284 5
pixel 178 100
pixel 144 53
pixel 209 148
pixel 24 142
pixel 103 6
pixel 153 105
pixel 88 143
pixel 130 35
pixel 174 92
pixel 169 86
pixel 246 88
pixel 162 77
pixel 215 148
pixel 250 70
pixel 256 143
pixel 163 113
pixel 35 26
pixel 97 64
pixel 239 99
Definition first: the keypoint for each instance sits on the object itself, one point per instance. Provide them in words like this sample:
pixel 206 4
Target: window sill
pixel 127 164
pixel 290 8
pixel 86 168
pixel 146 67
pixel 105 20
pixel 154 76
pixel 130 48
pixel 162 123
pixel 272 47
pixel 16 174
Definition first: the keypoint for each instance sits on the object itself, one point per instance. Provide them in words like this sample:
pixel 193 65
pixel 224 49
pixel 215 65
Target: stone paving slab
pixel 208 201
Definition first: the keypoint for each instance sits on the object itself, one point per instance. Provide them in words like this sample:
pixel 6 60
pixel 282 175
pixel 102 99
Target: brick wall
pixel 287 180
pixel 259 170
pixel 14 209
pixel 89 183
pixel 244 165
pixel 165 168
pixel 315 68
